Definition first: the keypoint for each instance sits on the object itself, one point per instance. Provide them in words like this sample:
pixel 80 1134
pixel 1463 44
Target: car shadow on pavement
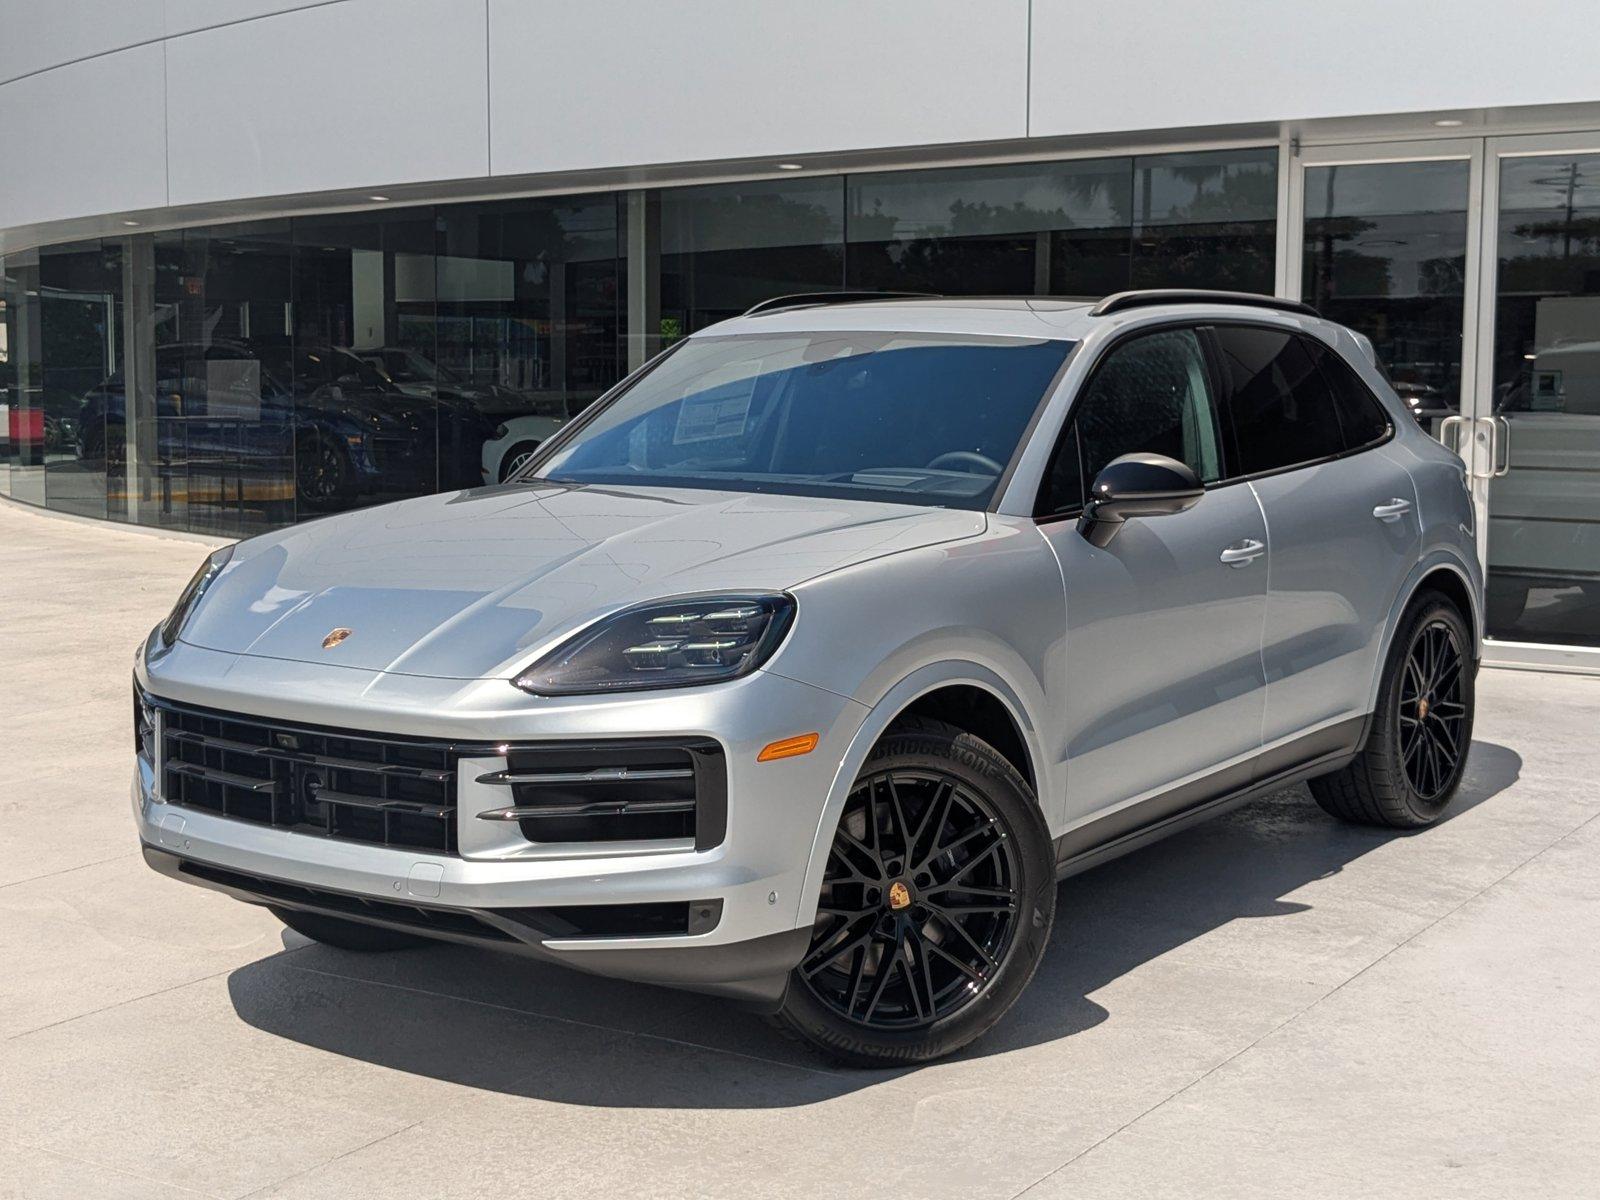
pixel 524 1028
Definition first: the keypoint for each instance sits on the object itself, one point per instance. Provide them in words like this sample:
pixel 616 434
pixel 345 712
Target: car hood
pixel 468 585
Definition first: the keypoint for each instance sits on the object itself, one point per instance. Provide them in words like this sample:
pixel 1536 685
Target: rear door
pixel 1341 516
pixel 1164 624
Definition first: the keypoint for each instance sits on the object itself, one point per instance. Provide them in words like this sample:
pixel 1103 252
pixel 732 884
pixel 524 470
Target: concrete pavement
pixel 1270 1005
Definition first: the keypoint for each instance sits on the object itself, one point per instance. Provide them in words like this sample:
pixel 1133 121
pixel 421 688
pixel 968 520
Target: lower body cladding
pixel 320 793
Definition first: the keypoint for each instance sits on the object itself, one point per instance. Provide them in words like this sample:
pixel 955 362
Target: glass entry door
pixel 1387 246
pixel 1538 399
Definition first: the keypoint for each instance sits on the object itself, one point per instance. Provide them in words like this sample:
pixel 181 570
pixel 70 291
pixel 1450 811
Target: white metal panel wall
pixel 39 34
pixel 347 95
pixel 185 16
pixel 619 82
pixel 1153 64
pixel 82 138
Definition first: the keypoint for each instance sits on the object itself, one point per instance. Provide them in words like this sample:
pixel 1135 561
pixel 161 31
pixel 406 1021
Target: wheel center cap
pixel 899 895
pixel 1422 709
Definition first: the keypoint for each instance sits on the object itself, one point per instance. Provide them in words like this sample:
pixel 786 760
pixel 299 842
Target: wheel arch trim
pixel 921 682
pixel 1429 564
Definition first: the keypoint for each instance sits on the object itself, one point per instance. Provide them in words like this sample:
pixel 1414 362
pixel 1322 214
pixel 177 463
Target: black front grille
pixel 615 791
pixel 384 790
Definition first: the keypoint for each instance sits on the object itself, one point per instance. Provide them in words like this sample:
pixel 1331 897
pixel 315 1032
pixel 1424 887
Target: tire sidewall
pixel 1428 608
pixel 978 766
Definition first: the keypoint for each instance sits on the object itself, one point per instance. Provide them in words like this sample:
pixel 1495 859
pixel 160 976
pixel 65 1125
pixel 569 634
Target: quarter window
pixel 1280 404
pixel 1151 394
pixel 1363 419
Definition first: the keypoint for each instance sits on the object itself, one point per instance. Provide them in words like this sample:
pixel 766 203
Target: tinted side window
pixel 1364 420
pixel 1281 407
pixel 1150 394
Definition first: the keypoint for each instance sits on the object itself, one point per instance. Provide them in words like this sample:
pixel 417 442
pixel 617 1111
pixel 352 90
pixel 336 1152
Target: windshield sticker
pixel 716 411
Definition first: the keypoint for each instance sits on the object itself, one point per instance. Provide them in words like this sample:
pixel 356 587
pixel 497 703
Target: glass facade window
pixel 234 378
pixel 1082 228
pixel 1386 254
pixel 727 247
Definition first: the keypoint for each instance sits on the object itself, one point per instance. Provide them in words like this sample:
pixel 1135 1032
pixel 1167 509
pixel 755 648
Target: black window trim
pixel 1220 395
pixel 1068 422
pixel 1348 452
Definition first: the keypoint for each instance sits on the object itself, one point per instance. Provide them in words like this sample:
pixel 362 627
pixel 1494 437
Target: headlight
pixel 209 570
pixel 500 431
pixel 677 643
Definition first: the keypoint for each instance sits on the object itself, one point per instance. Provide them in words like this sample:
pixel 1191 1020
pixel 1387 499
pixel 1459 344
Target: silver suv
pixel 801 666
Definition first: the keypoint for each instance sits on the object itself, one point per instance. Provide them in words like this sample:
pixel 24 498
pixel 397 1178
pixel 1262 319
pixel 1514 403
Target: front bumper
pixel 481 896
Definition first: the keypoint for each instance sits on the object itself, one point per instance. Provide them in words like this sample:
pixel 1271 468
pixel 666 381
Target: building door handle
pixel 1242 554
pixel 1392 510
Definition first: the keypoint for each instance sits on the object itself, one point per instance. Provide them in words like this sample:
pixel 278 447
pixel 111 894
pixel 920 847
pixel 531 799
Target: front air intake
pixel 616 791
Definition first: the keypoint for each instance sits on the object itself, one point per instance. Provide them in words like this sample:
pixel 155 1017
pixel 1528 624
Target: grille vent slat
pixel 358 787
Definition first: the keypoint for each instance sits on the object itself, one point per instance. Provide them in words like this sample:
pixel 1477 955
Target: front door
pixel 1536 410
pixel 1164 624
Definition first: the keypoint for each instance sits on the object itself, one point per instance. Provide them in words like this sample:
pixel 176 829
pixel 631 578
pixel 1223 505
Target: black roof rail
pixel 814 299
pixel 1122 301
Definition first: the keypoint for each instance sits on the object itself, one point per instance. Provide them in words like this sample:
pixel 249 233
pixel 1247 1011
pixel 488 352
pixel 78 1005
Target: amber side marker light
pixel 789 747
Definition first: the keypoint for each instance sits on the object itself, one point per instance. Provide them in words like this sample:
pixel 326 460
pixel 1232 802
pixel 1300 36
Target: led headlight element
pixel 190 596
pixel 676 643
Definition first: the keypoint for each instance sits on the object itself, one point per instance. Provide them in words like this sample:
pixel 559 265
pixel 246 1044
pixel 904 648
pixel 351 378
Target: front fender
pixel 890 705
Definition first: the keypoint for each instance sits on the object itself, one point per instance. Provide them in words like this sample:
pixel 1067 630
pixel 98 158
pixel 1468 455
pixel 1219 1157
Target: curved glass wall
pixel 234 378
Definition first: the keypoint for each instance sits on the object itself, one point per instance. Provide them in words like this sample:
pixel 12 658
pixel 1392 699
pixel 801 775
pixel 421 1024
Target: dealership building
pixel 267 259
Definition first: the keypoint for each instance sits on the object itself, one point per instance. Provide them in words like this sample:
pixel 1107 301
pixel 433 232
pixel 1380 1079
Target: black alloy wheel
pixel 319 472
pixel 919 901
pixel 1415 755
pixel 936 902
pixel 1433 710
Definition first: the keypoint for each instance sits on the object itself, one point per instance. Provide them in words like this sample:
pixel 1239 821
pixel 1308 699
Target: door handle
pixel 1392 510
pixel 1450 432
pixel 1242 554
pixel 1500 465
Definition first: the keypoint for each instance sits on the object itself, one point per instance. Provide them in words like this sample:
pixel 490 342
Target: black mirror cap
pixel 1137 485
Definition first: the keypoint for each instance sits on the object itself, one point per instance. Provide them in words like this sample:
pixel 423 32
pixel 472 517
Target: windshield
pixel 906 417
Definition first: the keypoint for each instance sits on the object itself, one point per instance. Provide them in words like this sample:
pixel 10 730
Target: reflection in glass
pixel 528 317
pixel 8 375
pixel 363 289
pixel 1385 254
pixel 80 316
pixel 1079 228
pixel 25 436
pixel 1544 513
pixel 220 388
pixel 1205 220
pixel 726 247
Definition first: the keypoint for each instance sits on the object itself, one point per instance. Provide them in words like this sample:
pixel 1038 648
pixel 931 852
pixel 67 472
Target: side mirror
pixel 1136 485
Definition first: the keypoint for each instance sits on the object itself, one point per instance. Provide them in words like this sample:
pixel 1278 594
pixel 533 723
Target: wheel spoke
pixel 880 979
pixel 843 837
pixel 918 974
pixel 937 812
pixel 950 922
pixel 898 811
pixel 965 968
pixel 993 892
pixel 975 860
pixel 833 948
pixel 941 850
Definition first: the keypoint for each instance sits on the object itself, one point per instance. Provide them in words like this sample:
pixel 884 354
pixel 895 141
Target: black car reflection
pixel 316 419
